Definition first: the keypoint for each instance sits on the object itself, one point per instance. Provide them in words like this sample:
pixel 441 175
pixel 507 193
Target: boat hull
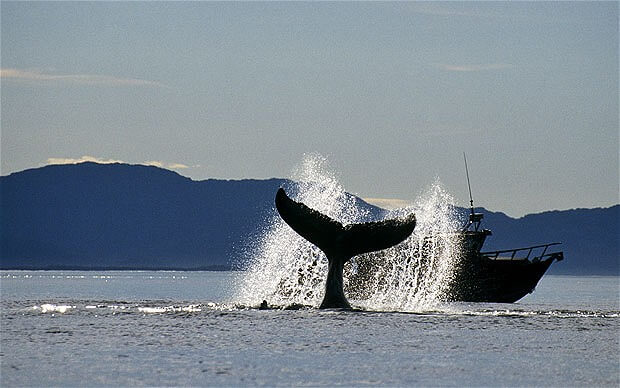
pixel 499 280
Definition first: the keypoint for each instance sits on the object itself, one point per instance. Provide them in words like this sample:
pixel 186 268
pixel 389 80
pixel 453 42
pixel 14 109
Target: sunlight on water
pixel 52 308
pixel 167 309
pixel 164 307
pixel 286 269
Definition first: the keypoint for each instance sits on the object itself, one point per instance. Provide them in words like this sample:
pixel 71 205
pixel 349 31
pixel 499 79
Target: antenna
pixel 471 199
pixel 474 218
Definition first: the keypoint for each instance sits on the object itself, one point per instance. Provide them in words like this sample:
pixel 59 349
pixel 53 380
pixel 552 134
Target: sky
pixel 391 94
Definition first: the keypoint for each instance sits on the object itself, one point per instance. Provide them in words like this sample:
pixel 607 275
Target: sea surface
pixel 132 328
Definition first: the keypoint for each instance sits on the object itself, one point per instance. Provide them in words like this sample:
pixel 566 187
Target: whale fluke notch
pixel 340 242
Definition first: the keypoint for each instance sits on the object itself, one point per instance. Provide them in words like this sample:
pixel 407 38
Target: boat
pixel 502 276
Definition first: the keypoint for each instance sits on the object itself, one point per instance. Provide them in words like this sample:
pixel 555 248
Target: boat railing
pixel 513 252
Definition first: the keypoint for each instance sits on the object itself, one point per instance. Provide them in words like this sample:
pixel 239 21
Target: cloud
pixel 481 10
pixel 87 158
pixel 477 67
pixel 388 203
pixel 154 163
pixel 449 129
pixel 434 9
pixel 177 165
pixel 80 79
pixel 173 166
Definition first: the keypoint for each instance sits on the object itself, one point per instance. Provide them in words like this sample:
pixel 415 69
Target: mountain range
pixel 120 216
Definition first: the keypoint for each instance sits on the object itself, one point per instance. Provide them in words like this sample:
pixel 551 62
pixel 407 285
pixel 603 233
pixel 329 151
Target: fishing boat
pixel 502 276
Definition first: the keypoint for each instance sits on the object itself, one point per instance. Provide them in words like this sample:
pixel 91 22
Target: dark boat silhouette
pixel 503 276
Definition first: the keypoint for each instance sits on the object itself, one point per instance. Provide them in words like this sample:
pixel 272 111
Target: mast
pixel 471 199
pixel 474 218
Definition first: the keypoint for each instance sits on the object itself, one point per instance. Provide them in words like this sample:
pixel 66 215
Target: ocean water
pixel 68 328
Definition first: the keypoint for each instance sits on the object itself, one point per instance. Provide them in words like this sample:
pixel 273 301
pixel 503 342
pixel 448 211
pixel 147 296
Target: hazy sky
pixel 391 93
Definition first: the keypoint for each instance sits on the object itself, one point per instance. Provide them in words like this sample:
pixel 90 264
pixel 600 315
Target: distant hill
pixel 91 215
pixel 116 216
pixel 125 216
pixel 589 237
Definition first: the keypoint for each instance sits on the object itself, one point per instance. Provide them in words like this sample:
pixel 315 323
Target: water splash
pixel 286 269
pixel 416 274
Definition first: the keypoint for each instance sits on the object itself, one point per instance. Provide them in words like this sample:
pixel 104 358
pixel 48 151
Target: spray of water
pixel 286 269
pixel 416 274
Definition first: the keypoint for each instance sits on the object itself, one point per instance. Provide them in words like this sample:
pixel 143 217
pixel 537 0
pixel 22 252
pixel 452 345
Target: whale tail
pixel 337 240
pixel 340 242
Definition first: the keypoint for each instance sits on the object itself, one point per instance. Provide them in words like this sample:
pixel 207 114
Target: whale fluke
pixel 340 242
